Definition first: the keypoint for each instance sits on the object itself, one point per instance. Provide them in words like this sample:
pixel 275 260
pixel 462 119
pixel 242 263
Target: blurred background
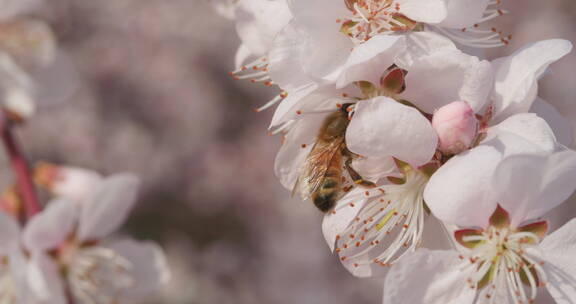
pixel 155 100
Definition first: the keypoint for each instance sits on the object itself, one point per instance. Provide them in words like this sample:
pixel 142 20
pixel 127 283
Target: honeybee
pixel 321 174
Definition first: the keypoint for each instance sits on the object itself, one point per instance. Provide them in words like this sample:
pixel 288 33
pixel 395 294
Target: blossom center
pixel 99 275
pixel 392 217
pixel 373 17
pixel 499 263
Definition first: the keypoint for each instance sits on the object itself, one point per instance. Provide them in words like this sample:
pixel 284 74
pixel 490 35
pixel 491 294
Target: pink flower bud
pixel 72 183
pixel 456 126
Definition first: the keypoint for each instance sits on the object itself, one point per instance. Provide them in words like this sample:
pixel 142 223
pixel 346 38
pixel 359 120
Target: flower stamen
pixel 99 275
pixel 500 258
pixel 397 208
pixel 373 17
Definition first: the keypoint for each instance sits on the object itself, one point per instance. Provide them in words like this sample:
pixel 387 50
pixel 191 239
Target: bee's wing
pixel 314 169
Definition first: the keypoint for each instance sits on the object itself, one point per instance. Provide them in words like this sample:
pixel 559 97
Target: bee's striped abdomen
pixel 325 197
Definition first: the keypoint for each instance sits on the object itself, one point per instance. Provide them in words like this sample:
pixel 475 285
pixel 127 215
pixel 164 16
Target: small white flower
pixel 505 256
pixel 317 42
pixel 31 67
pixel 364 19
pixel 71 251
pixel 371 228
pixel 517 75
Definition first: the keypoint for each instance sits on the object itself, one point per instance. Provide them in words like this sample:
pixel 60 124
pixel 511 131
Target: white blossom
pixel 73 253
pixel 504 255
pixel 31 66
pixel 318 40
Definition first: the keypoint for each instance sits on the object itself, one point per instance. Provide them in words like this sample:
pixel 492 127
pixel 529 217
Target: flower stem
pixel 69 295
pixel 21 170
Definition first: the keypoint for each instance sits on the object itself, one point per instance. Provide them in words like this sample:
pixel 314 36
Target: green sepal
pixel 346 26
pixel 538 228
pixel 367 88
pixel 500 218
pixel 407 22
pixel 460 234
pixel 404 167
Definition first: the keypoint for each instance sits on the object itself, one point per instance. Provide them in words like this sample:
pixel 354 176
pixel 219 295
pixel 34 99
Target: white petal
pixel 224 8
pixel 421 44
pixel 242 55
pixel 16 87
pixel 428 277
pixel 363 266
pixel 296 99
pixel 509 143
pixel 516 83
pixel 324 54
pixel 50 228
pixel 463 13
pixel 457 76
pixel 45 280
pixel 308 52
pixel 459 192
pixel 321 48
pixel 19 101
pixel 149 266
pixel 258 22
pixel 30 42
pixel 374 168
pixel 109 207
pixel 75 184
pixel 9 234
pixel 562 127
pixel 370 60
pixel 427 11
pixel 383 127
pixel 285 59
pixel 531 128
pixel 309 98
pixel 557 250
pixel 19 267
pixel 318 14
pixel 529 185
pixel 335 222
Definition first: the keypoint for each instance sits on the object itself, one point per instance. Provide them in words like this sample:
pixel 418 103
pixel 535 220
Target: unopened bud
pixel 456 126
pixel 19 104
pixel 72 183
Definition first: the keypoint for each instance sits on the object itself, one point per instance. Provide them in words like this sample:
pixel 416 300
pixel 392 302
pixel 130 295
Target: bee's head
pixel 345 107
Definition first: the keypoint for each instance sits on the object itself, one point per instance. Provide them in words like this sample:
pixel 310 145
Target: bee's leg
pixel 356 177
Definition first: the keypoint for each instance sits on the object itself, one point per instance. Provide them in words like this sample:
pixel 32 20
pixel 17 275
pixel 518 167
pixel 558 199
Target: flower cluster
pixel 58 223
pixel 390 116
